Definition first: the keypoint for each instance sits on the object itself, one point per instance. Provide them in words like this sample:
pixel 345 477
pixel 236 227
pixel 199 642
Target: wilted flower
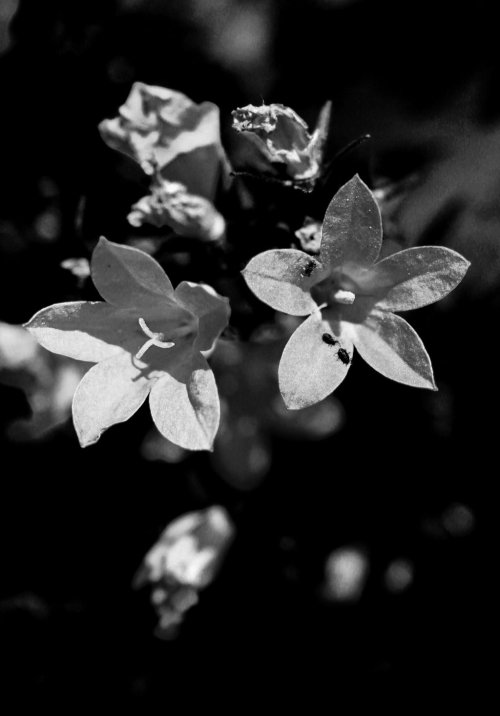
pixel 164 130
pixel 146 339
pixel 284 138
pixel 185 559
pixel 350 300
pixel 170 204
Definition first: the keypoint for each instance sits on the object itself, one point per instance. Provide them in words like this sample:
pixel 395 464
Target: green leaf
pixel 282 278
pixel 211 309
pixel 391 346
pixel 129 278
pixel 85 330
pixel 310 367
pixel 352 228
pixel 185 405
pixel 109 393
pixel 418 276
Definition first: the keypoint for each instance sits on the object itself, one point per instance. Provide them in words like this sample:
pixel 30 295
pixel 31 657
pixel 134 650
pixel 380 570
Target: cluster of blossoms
pixel 148 339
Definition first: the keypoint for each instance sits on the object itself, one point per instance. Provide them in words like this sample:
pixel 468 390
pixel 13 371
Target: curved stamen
pixel 155 339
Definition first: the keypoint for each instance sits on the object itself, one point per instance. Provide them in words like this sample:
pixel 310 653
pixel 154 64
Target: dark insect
pixel 330 341
pixel 343 355
pixel 308 269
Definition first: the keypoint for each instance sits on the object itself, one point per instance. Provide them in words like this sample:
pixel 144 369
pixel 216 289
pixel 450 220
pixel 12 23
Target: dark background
pixel 422 79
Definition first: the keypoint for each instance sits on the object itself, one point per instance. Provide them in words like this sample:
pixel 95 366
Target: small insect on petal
pixel 343 355
pixel 328 339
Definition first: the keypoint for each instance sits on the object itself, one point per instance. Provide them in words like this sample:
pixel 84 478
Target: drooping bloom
pixel 147 339
pixel 170 204
pixel 185 559
pixel 284 138
pixel 163 130
pixel 350 299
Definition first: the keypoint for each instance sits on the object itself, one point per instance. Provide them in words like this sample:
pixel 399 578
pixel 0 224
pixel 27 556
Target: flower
pixel 350 297
pixel 147 340
pixel 48 382
pixel 185 559
pixel 284 139
pixel 169 204
pixel 164 130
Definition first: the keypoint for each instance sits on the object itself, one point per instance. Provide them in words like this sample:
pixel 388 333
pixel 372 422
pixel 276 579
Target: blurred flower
pixel 170 204
pixel 47 381
pixel 185 559
pixel 390 197
pixel 283 137
pixel 146 339
pixel 309 236
pixel 458 520
pixel 399 575
pixel 350 298
pixel 166 131
pixel 346 570
pixel 79 268
pixel 8 9
pixel 253 413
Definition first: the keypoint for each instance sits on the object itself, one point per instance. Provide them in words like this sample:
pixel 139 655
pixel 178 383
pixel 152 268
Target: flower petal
pixel 352 228
pixel 86 330
pixel 129 278
pixel 417 276
pixel 211 309
pixel 109 393
pixel 282 278
pixel 171 123
pixel 391 346
pixel 310 367
pixel 185 405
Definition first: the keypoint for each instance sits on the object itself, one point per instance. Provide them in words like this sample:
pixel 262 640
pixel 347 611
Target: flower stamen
pixel 155 339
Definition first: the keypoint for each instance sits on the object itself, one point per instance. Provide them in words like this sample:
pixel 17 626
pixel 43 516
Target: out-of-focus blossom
pixel 350 297
pixel 79 268
pixel 390 197
pixel 165 131
pixel 47 381
pixel 253 413
pixel 283 137
pixel 309 236
pixel 147 340
pixel 8 9
pixel 346 570
pixel 399 575
pixel 170 204
pixel 185 559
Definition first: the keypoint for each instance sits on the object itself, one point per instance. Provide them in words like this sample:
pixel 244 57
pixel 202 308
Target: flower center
pixel 154 339
pixel 341 295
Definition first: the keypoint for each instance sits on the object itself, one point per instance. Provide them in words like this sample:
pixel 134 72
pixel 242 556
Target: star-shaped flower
pixel 146 339
pixel 350 299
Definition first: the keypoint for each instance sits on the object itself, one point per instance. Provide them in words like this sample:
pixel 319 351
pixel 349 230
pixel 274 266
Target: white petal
pixel 391 346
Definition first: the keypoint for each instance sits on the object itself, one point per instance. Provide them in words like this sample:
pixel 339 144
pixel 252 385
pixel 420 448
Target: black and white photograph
pixel 249 355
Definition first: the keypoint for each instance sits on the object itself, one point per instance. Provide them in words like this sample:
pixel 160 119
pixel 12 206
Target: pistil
pixel 155 339
pixel 345 297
